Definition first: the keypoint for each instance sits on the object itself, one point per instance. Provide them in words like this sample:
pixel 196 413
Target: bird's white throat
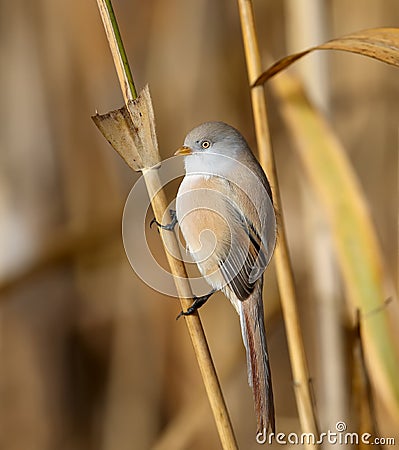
pixel 209 164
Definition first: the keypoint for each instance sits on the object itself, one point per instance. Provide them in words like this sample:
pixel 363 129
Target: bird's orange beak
pixel 183 151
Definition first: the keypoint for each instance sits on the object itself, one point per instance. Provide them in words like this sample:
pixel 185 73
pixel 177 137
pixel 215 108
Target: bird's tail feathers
pixel 259 376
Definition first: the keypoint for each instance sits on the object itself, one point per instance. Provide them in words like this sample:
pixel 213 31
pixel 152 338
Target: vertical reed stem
pixel 283 265
pixel 159 205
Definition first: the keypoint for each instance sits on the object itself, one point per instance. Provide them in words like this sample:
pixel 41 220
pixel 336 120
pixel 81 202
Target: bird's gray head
pixel 213 148
pixel 214 137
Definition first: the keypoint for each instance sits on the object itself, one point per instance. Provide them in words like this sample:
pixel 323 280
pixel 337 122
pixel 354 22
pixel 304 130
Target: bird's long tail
pixel 259 377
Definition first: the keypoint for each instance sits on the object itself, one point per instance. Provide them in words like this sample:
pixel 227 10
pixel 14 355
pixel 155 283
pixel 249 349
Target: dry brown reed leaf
pixel 130 129
pixel 378 43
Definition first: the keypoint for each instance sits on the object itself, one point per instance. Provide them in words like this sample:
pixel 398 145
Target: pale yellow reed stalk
pixel 159 204
pixel 283 265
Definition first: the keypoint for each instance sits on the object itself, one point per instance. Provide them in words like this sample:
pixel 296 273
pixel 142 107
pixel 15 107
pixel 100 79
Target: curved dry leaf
pixel 377 43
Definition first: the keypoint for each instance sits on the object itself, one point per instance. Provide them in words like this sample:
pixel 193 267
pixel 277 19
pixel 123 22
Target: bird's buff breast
pixel 201 213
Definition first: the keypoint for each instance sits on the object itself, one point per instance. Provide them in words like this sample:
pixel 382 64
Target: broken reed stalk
pixel 299 367
pixel 159 205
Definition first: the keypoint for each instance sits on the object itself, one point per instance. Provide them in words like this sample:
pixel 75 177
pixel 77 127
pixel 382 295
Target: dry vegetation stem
pixel 159 204
pixel 283 265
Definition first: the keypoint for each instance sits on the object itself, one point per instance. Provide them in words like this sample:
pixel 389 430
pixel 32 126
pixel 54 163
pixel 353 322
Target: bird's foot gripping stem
pixel 197 303
pixel 170 226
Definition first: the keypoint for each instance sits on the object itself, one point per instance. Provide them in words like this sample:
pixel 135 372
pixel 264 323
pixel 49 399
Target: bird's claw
pixel 170 226
pixel 189 311
pixel 197 303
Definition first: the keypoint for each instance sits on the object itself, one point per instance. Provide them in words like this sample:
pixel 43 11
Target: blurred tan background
pixel 91 357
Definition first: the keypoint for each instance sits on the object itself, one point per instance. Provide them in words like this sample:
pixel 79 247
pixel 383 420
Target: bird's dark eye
pixel 205 144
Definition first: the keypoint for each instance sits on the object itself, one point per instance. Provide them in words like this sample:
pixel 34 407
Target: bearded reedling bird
pixel 225 212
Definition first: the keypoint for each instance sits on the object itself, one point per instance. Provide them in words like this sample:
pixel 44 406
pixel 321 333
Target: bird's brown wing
pixel 228 248
pixel 245 260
